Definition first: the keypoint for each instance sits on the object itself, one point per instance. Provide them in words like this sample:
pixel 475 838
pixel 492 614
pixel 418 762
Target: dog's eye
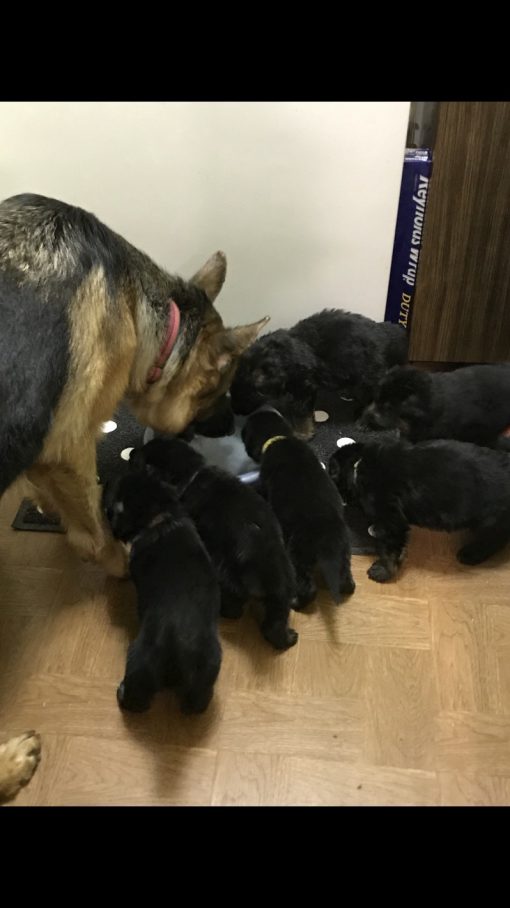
pixel 118 507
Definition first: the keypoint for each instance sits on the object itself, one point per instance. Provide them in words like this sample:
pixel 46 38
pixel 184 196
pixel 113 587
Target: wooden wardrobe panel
pixel 462 303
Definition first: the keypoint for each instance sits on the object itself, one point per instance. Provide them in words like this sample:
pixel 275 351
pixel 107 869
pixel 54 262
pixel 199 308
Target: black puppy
pixel 333 350
pixel 239 531
pixel 178 596
pixel 306 502
pixel 442 485
pixel 469 404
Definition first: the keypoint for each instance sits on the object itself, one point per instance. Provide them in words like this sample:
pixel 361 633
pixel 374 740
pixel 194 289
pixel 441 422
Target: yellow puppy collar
pixel 269 441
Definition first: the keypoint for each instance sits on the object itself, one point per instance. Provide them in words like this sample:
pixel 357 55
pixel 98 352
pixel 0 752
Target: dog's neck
pixel 172 331
pixel 160 342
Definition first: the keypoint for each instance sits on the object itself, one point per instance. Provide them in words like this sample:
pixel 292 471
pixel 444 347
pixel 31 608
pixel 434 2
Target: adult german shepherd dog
pixel 86 320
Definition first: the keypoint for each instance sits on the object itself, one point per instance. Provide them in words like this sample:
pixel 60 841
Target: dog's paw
pixel 380 572
pixel 196 702
pixel 280 637
pixel 348 586
pixel 115 560
pixel 19 759
pixel 306 593
pixel 132 701
pixel 470 554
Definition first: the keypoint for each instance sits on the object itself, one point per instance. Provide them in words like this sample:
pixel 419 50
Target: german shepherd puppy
pixel 469 404
pixel 87 319
pixel 330 350
pixel 306 503
pixel 238 530
pixel 178 596
pixel 441 485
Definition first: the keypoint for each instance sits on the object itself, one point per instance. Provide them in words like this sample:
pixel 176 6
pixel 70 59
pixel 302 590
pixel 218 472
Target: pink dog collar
pixel 174 321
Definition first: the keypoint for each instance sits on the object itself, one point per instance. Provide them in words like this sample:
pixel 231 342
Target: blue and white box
pixel 408 235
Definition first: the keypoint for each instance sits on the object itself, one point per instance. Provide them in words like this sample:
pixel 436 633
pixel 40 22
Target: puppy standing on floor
pixel 238 529
pixel 305 502
pixel 441 485
pixel 468 404
pixel 178 596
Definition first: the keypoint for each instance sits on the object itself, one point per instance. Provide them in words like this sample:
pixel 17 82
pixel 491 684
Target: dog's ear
pixel 211 276
pixel 232 342
pixel 403 381
pixel 245 335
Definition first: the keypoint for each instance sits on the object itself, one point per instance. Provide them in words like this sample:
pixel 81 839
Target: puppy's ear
pixel 413 407
pixel 211 276
pixel 407 381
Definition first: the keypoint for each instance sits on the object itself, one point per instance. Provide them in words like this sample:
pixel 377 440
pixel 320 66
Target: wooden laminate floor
pixel 401 696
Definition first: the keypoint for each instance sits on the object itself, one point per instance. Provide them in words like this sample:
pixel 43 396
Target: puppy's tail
pixel 335 563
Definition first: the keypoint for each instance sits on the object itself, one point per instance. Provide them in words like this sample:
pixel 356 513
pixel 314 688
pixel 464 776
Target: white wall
pixel 302 197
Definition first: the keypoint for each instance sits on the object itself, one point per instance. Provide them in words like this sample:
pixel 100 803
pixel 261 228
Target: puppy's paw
pixel 196 702
pixel 280 637
pixel 347 586
pixel 470 554
pixel 380 572
pixel 19 759
pixel 131 700
pixel 306 593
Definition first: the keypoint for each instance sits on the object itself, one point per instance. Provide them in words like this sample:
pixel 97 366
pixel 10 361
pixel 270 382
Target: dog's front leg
pixel 70 489
pixel 19 758
pixel 391 536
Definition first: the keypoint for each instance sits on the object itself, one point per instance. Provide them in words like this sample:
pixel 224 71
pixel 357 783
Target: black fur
pixel 239 531
pixel 332 349
pixel 307 505
pixel 178 596
pixel 34 361
pixel 468 404
pixel 442 485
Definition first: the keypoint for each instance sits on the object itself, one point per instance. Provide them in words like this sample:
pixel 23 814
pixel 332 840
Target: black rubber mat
pixel 30 518
pixel 129 433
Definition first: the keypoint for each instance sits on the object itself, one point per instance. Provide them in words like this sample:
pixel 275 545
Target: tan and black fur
pixel 83 316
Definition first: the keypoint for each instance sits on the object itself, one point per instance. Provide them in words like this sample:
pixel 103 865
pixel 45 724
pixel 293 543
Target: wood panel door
pixel 462 302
